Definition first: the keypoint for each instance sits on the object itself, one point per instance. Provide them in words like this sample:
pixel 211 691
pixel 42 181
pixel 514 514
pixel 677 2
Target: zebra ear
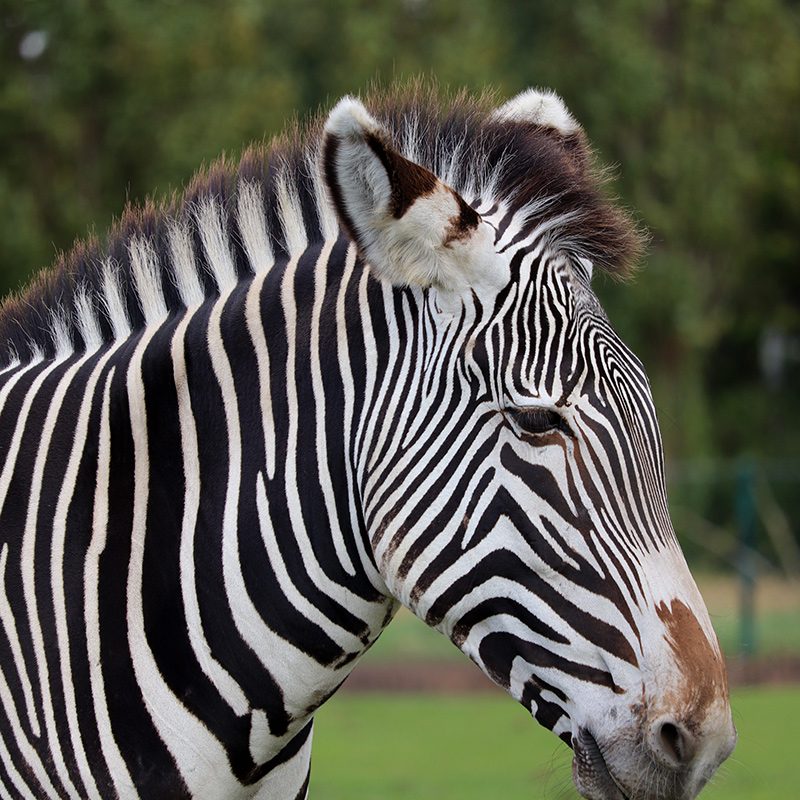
pixel 410 227
pixel 541 107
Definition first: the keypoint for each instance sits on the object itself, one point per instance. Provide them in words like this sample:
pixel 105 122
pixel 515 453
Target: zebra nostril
pixel 672 743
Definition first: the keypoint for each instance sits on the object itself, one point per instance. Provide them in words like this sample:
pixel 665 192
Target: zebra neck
pixel 245 547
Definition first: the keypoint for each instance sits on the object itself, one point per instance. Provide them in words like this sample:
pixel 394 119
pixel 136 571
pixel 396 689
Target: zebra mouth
pixel 590 773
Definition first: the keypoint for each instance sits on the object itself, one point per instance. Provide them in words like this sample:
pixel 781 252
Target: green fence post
pixel 746 519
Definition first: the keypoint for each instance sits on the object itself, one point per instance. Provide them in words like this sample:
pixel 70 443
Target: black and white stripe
pixel 229 450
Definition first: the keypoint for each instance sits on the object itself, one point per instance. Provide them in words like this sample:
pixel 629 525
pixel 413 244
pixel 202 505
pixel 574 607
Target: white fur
pixel 213 234
pixel 363 180
pixel 414 249
pixel 253 226
pixel 184 266
pixel 147 279
pixel 114 301
pixel 291 215
pixel 350 120
pixel 86 319
pixel 541 107
pixel 59 333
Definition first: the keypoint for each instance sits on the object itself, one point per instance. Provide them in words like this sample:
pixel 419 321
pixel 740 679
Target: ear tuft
pixel 541 107
pixel 350 120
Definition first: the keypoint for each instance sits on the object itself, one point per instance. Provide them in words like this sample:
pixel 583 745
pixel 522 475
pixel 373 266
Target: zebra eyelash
pixel 537 421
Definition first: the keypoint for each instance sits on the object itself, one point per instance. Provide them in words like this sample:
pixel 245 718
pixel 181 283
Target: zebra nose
pixel 672 743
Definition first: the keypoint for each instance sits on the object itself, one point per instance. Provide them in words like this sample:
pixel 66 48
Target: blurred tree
pixel 127 98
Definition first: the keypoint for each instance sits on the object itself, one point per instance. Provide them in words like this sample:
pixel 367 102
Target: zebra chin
pixel 665 735
pixel 663 746
pixel 659 760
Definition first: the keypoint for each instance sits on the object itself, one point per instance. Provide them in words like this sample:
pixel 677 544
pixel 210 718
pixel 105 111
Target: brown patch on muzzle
pixel 705 677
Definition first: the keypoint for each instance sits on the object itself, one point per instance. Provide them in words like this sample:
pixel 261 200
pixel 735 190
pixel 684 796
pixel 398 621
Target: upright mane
pixel 236 219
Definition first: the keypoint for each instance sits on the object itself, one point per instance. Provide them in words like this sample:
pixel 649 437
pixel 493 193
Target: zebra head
pixel 511 471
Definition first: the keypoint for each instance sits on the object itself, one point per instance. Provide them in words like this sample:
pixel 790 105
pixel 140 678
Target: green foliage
pixel 377 746
pixel 696 101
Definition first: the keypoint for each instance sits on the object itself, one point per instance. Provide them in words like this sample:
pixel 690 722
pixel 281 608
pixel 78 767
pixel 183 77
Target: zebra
pixel 362 367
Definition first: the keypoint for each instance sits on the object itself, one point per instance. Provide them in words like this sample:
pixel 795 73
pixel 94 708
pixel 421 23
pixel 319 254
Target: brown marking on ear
pixel 408 180
pixel 702 667
pixel 464 225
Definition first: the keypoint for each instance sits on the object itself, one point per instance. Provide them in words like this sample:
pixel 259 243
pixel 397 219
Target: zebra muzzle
pixel 590 772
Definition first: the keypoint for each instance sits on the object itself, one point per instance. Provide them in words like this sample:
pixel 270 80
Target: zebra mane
pixel 237 219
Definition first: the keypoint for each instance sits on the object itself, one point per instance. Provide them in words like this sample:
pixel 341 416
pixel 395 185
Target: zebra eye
pixel 538 420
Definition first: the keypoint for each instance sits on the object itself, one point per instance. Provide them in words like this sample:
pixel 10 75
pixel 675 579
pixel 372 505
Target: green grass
pixel 382 747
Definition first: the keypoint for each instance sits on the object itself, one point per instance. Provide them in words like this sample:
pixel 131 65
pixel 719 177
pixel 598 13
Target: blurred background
pixel 695 104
